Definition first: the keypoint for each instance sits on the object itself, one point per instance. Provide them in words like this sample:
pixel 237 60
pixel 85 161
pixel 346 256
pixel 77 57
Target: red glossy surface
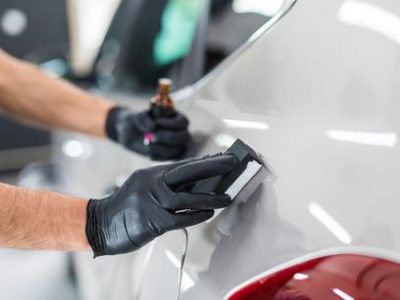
pixel 336 277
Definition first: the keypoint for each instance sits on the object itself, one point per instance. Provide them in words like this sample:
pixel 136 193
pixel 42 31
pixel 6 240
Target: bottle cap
pixel 165 81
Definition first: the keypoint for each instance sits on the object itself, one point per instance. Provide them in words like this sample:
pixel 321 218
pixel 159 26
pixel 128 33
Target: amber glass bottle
pixel 162 106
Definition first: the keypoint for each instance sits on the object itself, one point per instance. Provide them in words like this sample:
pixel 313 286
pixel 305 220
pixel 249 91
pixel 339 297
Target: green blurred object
pixel 179 23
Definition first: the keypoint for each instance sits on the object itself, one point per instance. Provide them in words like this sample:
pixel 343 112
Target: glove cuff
pixel 111 122
pixel 93 228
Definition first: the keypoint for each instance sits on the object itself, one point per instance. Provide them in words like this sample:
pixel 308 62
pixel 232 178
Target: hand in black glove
pixel 153 201
pixel 167 137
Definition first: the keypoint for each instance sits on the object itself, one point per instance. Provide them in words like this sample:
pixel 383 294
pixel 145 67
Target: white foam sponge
pixel 251 170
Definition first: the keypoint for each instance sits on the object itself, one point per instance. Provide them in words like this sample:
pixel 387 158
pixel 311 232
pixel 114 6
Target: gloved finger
pixel 183 220
pixel 137 146
pixel 198 201
pixel 143 122
pixel 188 160
pixel 159 151
pixel 172 138
pixel 177 122
pixel 180 163
pixel 205 168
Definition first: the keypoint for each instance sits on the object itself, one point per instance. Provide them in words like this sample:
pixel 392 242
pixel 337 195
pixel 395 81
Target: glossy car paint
pixel 318 96
pixel 340 276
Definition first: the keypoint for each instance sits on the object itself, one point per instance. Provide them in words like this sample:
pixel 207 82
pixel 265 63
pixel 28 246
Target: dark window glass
pixel 179 39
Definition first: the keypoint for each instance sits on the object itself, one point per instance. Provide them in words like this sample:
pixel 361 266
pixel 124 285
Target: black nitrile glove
pixel 153 201
pixel 162 138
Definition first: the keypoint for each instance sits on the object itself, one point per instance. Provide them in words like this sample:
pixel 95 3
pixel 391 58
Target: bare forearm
pixel 28 94
pixel 41 220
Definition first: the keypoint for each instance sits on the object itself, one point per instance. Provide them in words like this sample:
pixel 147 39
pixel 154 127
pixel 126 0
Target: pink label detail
pixel 148 138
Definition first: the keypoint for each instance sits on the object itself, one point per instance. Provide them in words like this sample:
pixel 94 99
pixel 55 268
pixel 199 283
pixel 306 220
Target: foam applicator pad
pixel 250 164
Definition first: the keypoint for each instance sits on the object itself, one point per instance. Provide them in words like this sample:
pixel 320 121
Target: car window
pixel 231 23
pixel 179 39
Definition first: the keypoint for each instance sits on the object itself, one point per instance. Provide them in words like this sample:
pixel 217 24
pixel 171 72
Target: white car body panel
pixel 318 96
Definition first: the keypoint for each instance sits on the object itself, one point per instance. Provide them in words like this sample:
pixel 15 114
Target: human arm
pixel 151 202
pixel 41 220
pixel 28 94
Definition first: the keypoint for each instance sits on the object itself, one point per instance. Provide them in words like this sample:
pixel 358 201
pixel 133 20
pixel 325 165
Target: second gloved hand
pixel 153 201
pixel 167 137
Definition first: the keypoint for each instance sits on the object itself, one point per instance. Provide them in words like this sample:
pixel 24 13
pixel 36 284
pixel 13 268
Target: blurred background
pixel 109 47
